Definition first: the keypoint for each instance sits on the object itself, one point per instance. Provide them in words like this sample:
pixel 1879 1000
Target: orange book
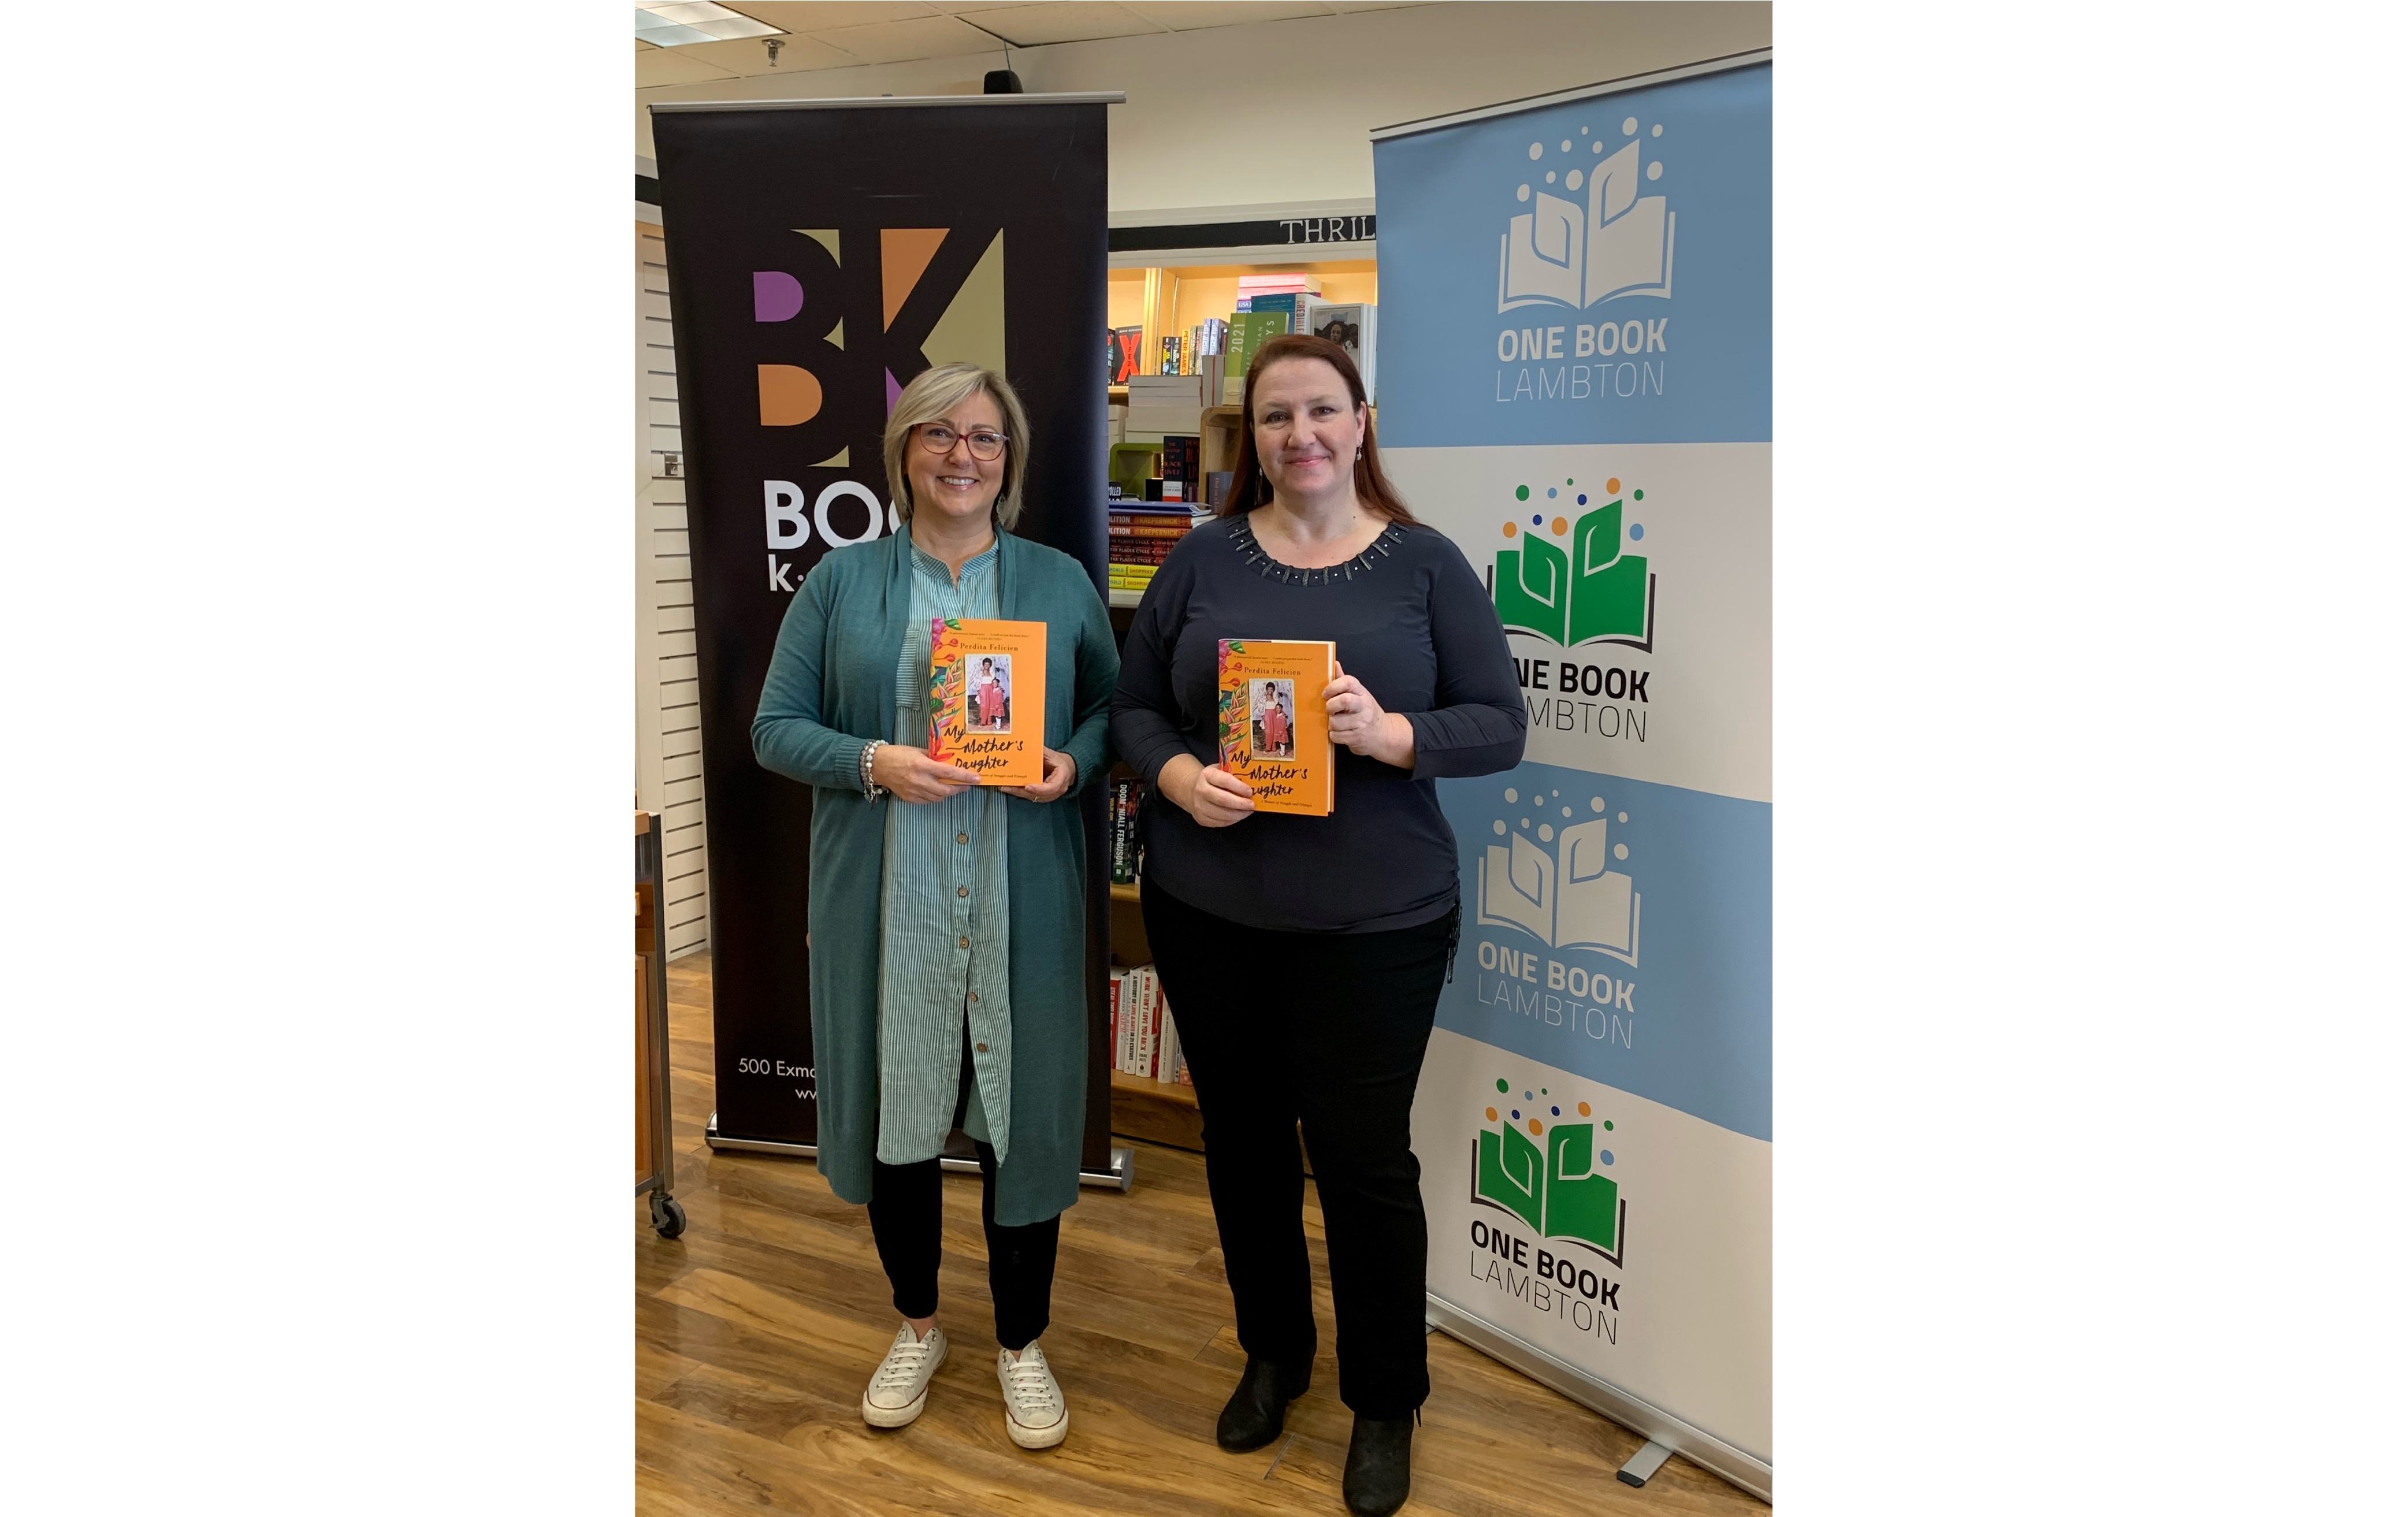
pixel 986 698
pixel 1274 729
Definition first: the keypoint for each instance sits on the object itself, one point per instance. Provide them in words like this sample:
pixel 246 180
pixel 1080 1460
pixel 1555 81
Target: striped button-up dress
pixel 944 944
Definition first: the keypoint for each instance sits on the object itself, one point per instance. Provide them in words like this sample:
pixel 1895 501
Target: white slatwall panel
pixel 670 739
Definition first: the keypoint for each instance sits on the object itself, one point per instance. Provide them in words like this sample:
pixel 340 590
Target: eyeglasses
pixel 985 446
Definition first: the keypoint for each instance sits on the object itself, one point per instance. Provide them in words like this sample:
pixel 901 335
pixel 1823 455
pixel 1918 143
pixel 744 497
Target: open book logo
pixel 1576 253
pixel 1565 896
pixel 1585 586
pixel 1553 1178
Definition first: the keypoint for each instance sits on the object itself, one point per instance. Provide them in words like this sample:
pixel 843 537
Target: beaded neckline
pixel 1258 558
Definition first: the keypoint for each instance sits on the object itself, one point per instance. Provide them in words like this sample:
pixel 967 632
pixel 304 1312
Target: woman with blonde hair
pixel 947 920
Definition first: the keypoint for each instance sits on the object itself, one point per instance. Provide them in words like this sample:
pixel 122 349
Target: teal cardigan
pixel 831 689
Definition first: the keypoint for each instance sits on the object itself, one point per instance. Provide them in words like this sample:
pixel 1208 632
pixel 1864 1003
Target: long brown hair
pixel 1248 485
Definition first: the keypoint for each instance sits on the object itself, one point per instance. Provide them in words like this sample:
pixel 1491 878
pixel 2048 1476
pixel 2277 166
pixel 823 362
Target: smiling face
pixel 1307 427
pixel 953 484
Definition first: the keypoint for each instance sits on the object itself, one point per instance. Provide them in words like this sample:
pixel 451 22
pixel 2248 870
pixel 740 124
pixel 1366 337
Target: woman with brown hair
pixel 1359 907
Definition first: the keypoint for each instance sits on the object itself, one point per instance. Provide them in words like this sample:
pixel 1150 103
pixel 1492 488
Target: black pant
pixel 906 1217
pixel 1327 1029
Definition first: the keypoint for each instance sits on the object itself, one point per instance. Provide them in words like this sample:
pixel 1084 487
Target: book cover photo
pixel 986 698
pixel 1274 729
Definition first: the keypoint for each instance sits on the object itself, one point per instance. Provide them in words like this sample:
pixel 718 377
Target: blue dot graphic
pixel 1551 492
pixel 1605 1156
pixel 1536 519
pixel 1526 1096
pixel 1517 1116
pixel 1555 1111
pixel 1636 531
pixel 1584 500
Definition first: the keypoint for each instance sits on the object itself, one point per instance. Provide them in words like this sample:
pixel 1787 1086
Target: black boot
pixel 1258 1409
pixel 1380 1465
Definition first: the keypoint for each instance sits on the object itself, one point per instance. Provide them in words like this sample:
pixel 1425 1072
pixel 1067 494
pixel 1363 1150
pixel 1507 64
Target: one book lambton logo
pixel 1590 590
pixel 1570 897
pixel 1560 1190
pixel 1563 252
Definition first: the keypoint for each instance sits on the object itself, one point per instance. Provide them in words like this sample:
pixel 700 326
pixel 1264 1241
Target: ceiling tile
pixel 827 15
pixel 670 66
pixel 1068 20
pixel 1346 8
pixel 895 42
pixel 960 8
pixel 748 57
pixel 1196 15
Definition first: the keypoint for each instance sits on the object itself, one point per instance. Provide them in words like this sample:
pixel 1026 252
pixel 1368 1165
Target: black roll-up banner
pixel 820 257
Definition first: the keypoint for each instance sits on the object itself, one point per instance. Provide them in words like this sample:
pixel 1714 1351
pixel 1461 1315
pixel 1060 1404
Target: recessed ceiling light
pixel 696 20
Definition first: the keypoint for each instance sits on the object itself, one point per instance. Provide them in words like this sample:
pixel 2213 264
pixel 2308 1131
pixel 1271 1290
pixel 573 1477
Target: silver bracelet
pixel 869 787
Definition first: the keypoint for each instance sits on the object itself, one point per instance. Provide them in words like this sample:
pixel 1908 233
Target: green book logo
pixel 1552 1179
pixel 1572 582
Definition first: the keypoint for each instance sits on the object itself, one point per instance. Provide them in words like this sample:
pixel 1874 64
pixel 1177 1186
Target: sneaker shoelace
pixel 1032 1383
pixel 902 1363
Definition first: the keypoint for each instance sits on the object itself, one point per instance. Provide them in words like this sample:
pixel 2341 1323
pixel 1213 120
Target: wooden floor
pixel 756 1332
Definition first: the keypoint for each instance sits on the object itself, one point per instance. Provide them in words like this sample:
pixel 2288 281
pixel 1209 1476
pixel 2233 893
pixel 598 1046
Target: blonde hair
pixel 928 398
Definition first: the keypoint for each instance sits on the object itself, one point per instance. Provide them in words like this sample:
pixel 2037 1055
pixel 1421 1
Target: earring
pixel 1359 456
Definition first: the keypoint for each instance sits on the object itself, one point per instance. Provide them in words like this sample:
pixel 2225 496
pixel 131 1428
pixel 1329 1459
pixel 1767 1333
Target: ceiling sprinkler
pixel 773 44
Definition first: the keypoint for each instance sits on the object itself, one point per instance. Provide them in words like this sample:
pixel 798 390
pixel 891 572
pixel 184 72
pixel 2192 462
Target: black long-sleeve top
pixel 1413 623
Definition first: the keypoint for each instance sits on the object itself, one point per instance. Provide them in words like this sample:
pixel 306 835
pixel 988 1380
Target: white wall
pixel 1280 112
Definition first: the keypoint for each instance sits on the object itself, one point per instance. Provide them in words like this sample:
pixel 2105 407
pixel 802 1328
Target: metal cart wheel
pixel 669 1218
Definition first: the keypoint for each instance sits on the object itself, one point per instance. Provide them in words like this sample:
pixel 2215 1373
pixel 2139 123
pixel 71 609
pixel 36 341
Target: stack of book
pixel 1162 404
pixel 1141 533
pixel 1144 1039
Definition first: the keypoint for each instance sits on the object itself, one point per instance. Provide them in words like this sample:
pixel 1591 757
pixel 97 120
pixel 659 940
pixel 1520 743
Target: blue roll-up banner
pixel 1576 302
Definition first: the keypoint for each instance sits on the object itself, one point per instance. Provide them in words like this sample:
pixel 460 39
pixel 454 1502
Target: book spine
pixel 1153 1049
pixel 1167 1067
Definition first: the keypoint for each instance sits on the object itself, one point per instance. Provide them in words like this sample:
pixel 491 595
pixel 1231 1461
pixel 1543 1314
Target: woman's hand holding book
pixel 1061 770
pixel 1356 721
pixel 1209 792
pixel 914 777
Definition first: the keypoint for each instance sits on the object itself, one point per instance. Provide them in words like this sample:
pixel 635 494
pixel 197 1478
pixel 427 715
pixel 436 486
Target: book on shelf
pixel 1353 325
pixel 1128 793
pixel 1274 728
pixel 1151 422
pixel 1248 332
pixel 1137 551
pixel 1167 528
pixel 1174 355
pixel 1137 1036
pixel 1121 353
pixel 1182 458
pixel 1279 284
pixel 1167 1060
pixel 1216 487
pixel 1166 390
pixel 1291 305
pixel 986 697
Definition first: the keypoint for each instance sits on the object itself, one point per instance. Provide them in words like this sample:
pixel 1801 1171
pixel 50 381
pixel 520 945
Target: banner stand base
pixel 1649 1421
pixel 1647 1461
pixel 1119 1175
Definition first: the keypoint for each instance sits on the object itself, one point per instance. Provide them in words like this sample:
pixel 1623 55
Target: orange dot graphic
pixel 1612 485
pixel 1511 528
pixel 1584 1108
pixel 1535 1129
pixel 1561 527
pixel 1492 1113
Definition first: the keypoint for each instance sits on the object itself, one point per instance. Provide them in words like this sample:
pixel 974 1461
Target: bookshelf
pixel 1143 1107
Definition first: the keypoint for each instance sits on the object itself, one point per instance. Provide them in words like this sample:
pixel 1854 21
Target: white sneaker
pixel 1034 1413
pixel 899 1391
